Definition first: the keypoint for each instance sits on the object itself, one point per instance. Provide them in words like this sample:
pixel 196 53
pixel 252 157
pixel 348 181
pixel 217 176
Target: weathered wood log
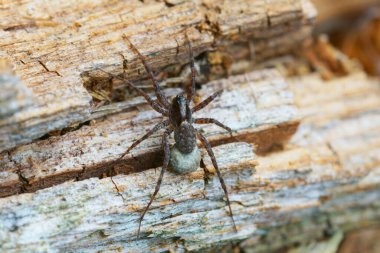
pixel 326 179
pixel 258 107
pixel 56 48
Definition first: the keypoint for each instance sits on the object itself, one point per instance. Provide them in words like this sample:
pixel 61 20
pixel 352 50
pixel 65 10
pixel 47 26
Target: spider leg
pixel 161 98
pixel 157 107
pixel 212 121
pixel 157 127
pixel 165 144
pixel 206 101
pixel 191 91
pixel 213 159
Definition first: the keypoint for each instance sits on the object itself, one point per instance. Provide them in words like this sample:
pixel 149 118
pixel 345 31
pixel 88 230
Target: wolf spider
pixel 184 157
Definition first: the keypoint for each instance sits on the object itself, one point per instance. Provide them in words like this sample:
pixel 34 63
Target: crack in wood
pixel 80 174
pixel 21 179
pixel 48 70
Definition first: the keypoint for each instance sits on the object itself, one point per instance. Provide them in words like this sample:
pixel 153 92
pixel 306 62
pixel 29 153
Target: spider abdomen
pixel 185 155
pixel 185 138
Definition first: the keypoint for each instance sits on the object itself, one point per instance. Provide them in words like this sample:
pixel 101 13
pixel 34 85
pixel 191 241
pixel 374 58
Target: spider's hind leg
pixel 165 144
pixel 213 160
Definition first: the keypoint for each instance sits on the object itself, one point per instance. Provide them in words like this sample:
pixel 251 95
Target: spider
pixel 184 157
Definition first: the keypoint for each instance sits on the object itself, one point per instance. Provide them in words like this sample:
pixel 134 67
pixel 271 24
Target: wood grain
pixel 55 48
pixel 325 179
pixel 288 186
pixel 258 106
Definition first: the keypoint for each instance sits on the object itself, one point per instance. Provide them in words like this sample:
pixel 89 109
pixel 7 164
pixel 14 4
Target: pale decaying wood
pixel 258 106
pixel 326 179
pixel 14 95
pixel 191 193
pixel 54 47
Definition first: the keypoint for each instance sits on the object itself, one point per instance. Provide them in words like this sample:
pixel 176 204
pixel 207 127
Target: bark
pixel 326 179
pixel 56 48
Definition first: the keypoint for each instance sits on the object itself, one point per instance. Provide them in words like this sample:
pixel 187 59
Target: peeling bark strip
pixel 53 47
pixel 257 106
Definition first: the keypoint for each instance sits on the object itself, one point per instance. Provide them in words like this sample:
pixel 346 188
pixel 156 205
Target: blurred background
pixel 353 26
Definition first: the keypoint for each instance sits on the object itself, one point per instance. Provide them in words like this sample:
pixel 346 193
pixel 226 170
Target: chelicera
pixel 184 157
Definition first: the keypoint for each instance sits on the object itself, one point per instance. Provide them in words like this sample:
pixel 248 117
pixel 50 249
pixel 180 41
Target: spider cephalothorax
pixel 184 156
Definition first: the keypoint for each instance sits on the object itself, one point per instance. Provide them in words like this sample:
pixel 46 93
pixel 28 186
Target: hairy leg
pixel 165 144
pixel 191 90
pixel 160 96
pixel 206 101
pixel 212 121
pixel 157 107
pixel 213 159
pixel 157 127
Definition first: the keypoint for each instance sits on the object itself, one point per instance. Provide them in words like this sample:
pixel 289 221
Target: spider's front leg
pixel 205 102
pixel 165 144
pixel 191 91
pixel 156 106
pixel 160 96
